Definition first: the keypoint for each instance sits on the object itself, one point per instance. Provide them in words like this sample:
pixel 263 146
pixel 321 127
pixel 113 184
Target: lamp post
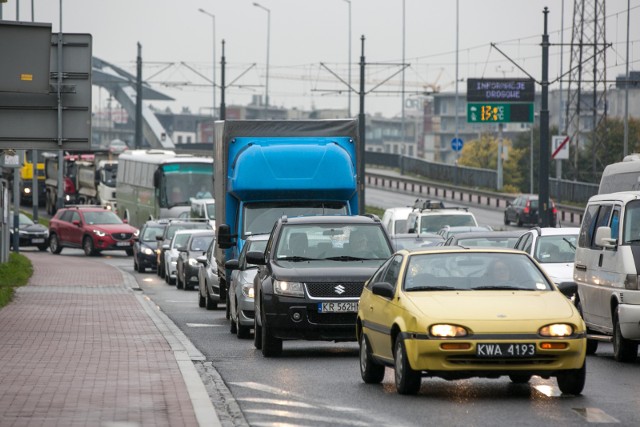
pixel 349 80
pixel 213 17
pixel 266 91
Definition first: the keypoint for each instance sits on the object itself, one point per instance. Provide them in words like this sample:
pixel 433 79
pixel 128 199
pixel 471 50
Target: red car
pixel 94 229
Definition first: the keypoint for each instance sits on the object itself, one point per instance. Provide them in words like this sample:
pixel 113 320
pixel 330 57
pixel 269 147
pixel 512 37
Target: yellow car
pixel 457 313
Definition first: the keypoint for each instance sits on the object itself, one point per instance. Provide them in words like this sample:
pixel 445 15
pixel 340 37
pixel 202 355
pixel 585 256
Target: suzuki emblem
pixel 339 289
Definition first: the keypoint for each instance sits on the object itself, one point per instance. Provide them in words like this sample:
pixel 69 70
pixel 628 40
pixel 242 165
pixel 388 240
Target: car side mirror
pixel 256 258
pixel 383 289
pixel 411 230
pixel 76 222
pixel 232 264
pixel 202 260
pixel 604 239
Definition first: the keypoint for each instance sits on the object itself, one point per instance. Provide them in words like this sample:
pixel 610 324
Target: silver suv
pixel 430 216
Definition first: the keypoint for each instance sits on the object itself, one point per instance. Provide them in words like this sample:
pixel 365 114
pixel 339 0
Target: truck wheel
pixel 572 381
pixel 370 371
pixel 54 244
pixel 624 350
pixel 271 346
pixel 87 245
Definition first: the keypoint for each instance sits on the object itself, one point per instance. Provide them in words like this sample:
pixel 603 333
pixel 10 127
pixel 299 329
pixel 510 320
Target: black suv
pixel 311 275
pixel 524 210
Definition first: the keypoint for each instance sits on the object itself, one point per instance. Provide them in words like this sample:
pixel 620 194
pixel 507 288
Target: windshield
pixel 434 223
pixel 184 181
pixel 108 175
pixel 339 242
pixel 171 231
pixel 631 233
pixel 500 242
pixel 259 218
pixel 473 271
pixel 200 243
pixel 150 233
pixel 555 249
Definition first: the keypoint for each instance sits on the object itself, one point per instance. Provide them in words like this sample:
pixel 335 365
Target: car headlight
pixel 100 233
pixel 447 331
pixel 136 233
pixel 292 289
pixel 46 233
pixel 193 262
pixel 556 330
pixel 247 290
pixel 148 251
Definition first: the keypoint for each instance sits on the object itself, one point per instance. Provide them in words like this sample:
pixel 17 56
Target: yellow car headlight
pixel 556 330
pixel 447 331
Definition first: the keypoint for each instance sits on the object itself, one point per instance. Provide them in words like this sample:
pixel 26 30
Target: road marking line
pixel 277 402
pixel 595 415
pixel 308 417
pixel 202 325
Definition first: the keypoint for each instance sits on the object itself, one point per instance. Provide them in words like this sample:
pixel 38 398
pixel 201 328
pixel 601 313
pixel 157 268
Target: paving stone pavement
pixel 77 348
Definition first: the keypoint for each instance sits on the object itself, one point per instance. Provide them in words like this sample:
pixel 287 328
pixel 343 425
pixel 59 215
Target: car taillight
pixel 69 188
pixel 526 208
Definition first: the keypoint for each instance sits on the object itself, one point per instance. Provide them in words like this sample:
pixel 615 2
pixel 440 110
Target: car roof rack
pixel 424 204
pixel 374 217
pixel 86 206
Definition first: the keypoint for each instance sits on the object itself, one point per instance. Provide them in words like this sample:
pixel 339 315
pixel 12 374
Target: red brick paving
pixel 78 349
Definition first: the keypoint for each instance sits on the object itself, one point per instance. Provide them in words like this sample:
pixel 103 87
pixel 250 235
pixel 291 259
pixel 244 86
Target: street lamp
pixel 213 17
pixel 349 108
pixel 266 91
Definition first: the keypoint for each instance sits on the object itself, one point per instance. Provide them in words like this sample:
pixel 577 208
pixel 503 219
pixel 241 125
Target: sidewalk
pixel 79 346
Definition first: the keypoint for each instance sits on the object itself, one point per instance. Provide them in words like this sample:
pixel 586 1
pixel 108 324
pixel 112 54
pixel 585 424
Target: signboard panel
pixel 30 121
pixel 24 49
pixel 560 147
pixel 499 113
pixel 500 90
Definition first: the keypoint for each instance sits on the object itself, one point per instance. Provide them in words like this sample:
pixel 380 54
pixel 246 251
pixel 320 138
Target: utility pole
pixel 543 198
pixel 223 107
pixel 361 122
pixel 138 143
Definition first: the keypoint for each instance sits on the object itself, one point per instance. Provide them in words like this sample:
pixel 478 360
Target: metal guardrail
pixel 567 215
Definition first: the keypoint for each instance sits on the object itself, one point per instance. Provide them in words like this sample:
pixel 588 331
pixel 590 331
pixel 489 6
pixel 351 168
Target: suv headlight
pixel 100 233
pixel 292 289
pixel 193 262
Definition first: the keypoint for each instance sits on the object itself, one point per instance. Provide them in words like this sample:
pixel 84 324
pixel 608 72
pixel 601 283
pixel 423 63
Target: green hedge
pixel 14 273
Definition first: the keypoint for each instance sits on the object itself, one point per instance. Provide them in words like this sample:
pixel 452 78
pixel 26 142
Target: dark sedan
pixel 145 248
pixel 524 210
pixel 30 233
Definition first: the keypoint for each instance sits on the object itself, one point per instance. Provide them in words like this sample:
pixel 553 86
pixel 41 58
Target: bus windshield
pixel 183 181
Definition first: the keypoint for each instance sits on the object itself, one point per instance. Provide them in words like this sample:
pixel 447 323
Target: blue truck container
pixel 269 168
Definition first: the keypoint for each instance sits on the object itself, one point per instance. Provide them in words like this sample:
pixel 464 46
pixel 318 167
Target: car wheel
pixel 271 346
pixel 129 252
pixel 572 381
pixel 519 378
pixel 370 371
pixel 257 334
pixel 54 244
pixel 624 350
pixel 592 345
pixel 227 310
pixel 242 331
pixel 87 245
pixel 135 265
pixel 42 248
pixel 232 326
pixel 141 269
pixel 202 301
pixel 407 380
pixel 178 281
pixel 210 303
pixel 518 221
pixel 506 219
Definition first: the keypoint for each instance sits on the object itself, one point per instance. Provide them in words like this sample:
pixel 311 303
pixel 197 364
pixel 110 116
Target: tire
pixel 54 244
pixel 624 350
pixel 257 334
pixel 43 248
pixel 210 303
pixel 227 310
pixel 519 378
pixel 592 345
pixel 201 300
pixel 506 219
pixel 129 252
pixel 135 265
pixel 271 346
pixel 572 381
pixel 242 331
pixel 178 281
pixel 142 269
pixel 370 371
pixel 87 246
pixel 518 221
pixel 407 380
pixel 232 326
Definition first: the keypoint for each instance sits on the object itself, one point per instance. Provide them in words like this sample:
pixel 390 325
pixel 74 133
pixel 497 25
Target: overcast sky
pixel 306 33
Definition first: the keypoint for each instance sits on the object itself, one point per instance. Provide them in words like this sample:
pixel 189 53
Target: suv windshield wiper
pixel 347 258
pixel 433 288
pixel 499 288
pixel 296 258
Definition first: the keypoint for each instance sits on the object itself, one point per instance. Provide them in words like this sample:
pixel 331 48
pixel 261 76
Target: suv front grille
pixel 121 236
pixel 332 318
pixel 335 289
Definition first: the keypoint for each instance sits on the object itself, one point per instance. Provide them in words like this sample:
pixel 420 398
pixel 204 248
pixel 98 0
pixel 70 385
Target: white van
pixel 621 176
pixel 606 271
pixel 395 219
pixel 204 209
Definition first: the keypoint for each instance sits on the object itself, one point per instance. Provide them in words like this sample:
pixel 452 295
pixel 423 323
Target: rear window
pixel 434 223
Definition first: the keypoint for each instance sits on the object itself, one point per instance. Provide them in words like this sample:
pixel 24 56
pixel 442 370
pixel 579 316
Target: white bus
pixel 621 176
pixel 154 184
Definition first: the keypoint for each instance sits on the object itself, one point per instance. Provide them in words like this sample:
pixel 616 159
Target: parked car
pixel 425 313
pixel 311 276
pixel 29 233
pixel 210 293
pixel 94 229
pixel 524 210
pixel 488 239
pixel 145 247
pixel 172 252
pixel 241 290
pixel 164 241
pixel 555 250
pixel 412 241
pixel 431 216
pixel 186 265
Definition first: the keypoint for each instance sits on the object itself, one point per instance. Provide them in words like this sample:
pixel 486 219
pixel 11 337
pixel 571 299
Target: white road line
pixel 305 417
pixel 595 415
pixel 202 325
pixel 277 402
